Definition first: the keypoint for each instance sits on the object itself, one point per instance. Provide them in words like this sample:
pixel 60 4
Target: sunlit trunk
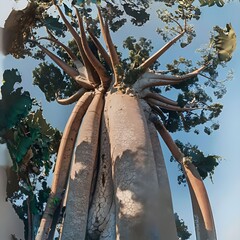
pixel 82 169
pixel 167 220
pixel 61 170
pixel 134 172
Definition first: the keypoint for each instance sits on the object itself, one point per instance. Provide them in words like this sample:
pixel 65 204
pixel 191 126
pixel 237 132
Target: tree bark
pixel 61 170
pixel 134 171
pixel 82 169
pixel 101 220
pixel 167 219
pixel 204 222
pixel 203 218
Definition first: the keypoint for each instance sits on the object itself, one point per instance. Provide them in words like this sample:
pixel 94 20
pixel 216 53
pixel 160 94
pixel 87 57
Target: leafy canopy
pixel 32 144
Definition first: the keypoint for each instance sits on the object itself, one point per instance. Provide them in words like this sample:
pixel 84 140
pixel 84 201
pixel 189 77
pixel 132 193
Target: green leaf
pixel 68 11
pixel 14 104
pixel 24 143
pixel 19 106
pixel 182 229
pixel 49 79
pixel 204 164
pixel 225 42
pixel 207 130
pixel 210 3
pixel 33 205
pixel 37 121
pixel 78 2
pixel 10 77
pixel 54 25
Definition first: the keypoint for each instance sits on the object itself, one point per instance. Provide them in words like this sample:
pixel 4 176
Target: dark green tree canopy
pixel 32 144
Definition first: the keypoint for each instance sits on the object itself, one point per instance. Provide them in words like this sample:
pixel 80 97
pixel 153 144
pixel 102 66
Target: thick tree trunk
pixel 167 220
pixel 61 170
pixel 101 220
pixel 82 169
pixel 134 172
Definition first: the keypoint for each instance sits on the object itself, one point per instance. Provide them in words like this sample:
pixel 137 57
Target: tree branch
pixel 87 64
pixel 168 106
pixel 29 219
pixel 150 79
pixel 73 32
pixel 144 66
pixel 76 61
pixel 108 40
pixel 64 157
pixel 177 154
pixel 82 170
pixel 204 223
pixel 57 42
pixel 93 60
pixel 72 98
pixel 79 65
pixel 65 67
pixel 161 98
pixel 157 110
pixel 100 48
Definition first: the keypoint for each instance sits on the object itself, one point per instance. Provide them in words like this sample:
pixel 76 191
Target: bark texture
pixel 204 222
pixel 61 170
pixel 82 169
pixel 134 172
pixel 203 218
pixel 101 220
pixel 167 219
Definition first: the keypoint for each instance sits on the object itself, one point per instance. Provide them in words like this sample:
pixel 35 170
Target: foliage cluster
pixel 204 164
pixel 32 144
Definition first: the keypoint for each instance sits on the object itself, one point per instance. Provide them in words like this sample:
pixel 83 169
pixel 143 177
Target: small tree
pixel 110 172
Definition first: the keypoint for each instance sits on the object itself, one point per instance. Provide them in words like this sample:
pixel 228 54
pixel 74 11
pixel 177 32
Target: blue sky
pixel 224 192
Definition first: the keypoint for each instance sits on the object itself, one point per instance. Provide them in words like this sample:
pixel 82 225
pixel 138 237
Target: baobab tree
pixel 110 174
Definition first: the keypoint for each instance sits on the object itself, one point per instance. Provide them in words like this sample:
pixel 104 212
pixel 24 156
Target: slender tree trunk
pixel 134 172
pixel 204 222
pixel 167 220
pixel 80 182
pixel 203 218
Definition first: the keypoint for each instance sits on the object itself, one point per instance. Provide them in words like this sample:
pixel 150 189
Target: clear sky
pixel 224 193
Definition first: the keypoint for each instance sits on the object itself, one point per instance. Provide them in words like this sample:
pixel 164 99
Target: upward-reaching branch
pixel 87 64
pixel 65 67
pixel 78 64
pixel 57 42
pixel 144 66
pixel 100 48
pixel 73 32
pixel 108 40
pixel 76 61
pixel 94 61
pixel 82 170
